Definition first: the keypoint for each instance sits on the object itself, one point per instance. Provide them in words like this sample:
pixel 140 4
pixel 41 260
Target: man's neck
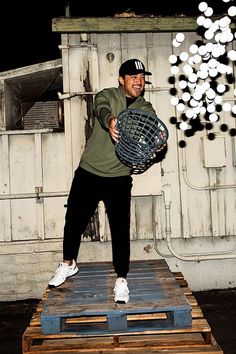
pixel 130 100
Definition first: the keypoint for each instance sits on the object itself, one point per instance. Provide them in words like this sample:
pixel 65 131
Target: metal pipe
pixel 227 254
pixel 26 132
pixel 201 188
pixel 33 195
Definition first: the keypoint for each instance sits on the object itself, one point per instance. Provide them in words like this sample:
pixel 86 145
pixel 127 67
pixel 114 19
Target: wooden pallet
pixel 85 302
pixel 197 339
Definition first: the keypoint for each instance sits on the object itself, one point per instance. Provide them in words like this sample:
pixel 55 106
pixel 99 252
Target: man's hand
pixel 161 147
pixel 112 128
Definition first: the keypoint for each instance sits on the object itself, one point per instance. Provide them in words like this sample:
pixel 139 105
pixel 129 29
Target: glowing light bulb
pixel 213 117
pixel 182 84
pixel 193 48
pixel 183 125
pixel 232 54
pixel 208 12
pixel 183 56
pixel 175 43
pixel 173 59
pixel 232 11
pixel 226 107
pixel 186 96
pixel 221 88
pixel 174 70
pixel 174 101
pixel 180 107
pixel 180 37
pixel 233 109
pixel 202 6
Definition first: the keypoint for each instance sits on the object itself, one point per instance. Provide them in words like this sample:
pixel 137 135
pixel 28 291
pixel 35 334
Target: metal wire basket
pixel 141 135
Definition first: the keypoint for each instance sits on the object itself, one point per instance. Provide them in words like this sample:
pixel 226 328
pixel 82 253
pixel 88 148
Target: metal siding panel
pixel 5 221
pixel 191 207
pixel 214 152
pixel 5 206
pixel 144 217
pixel 22 172
pixel 54 180
pixel 159 222
pixel 108 47
pixel 54 217
pixel 22 163
pixel 24 220
pixel 149 182
pixel 54 162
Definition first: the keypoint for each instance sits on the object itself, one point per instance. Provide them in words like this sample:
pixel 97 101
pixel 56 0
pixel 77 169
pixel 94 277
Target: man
pixel 102 176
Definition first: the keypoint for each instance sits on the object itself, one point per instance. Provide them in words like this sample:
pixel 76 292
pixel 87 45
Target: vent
pixel 42 115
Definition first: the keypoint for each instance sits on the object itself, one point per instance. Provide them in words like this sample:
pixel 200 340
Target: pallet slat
pixel 196 339
pixel 153 290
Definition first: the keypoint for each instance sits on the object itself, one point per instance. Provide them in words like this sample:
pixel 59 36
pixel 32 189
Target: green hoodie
pixel 99 156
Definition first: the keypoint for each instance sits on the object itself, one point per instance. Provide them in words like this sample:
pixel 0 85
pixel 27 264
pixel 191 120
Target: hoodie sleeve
pixel 102 107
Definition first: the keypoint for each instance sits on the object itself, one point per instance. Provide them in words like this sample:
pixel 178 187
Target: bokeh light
pixel 202 73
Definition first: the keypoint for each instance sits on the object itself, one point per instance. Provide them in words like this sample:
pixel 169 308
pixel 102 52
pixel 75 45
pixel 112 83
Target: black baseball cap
pixel 132 67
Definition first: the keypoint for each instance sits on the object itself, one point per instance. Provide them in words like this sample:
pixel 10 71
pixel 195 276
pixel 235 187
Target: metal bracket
pixel 39 190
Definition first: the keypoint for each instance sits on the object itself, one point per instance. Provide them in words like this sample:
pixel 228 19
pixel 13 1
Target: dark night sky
pixel 27 38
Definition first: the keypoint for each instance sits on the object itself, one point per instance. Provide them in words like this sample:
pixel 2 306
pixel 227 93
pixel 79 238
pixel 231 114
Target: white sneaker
pixel 63 272
pixel 121 291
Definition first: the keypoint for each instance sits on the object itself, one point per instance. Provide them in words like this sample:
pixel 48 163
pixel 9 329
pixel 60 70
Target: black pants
pixel 86 191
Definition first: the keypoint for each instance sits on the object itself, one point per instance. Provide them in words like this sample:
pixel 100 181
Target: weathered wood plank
pixel 153 289
pixel 197 339
pixel 35 342
pixel 123 24
pixel 126 24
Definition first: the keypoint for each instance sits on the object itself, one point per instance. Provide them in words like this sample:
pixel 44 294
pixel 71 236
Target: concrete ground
pixel 218 306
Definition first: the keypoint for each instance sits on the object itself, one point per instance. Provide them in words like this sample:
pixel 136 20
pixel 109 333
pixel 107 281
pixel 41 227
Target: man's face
pixel 133 84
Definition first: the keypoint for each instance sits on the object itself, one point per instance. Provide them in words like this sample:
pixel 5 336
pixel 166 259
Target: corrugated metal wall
pixel 200 177
pixel 189 196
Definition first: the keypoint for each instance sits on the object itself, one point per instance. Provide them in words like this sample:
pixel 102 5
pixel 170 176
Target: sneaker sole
pixel 121 302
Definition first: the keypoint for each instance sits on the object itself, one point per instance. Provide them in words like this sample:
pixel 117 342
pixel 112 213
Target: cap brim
pixel 147 73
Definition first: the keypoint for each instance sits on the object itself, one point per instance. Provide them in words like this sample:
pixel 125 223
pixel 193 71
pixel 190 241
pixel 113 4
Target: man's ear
pixel 121 81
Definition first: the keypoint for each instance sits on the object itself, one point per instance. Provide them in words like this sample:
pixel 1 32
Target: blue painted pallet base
pixel 84 303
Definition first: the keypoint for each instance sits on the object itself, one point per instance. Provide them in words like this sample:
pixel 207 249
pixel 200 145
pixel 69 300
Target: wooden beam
pixel 123 24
